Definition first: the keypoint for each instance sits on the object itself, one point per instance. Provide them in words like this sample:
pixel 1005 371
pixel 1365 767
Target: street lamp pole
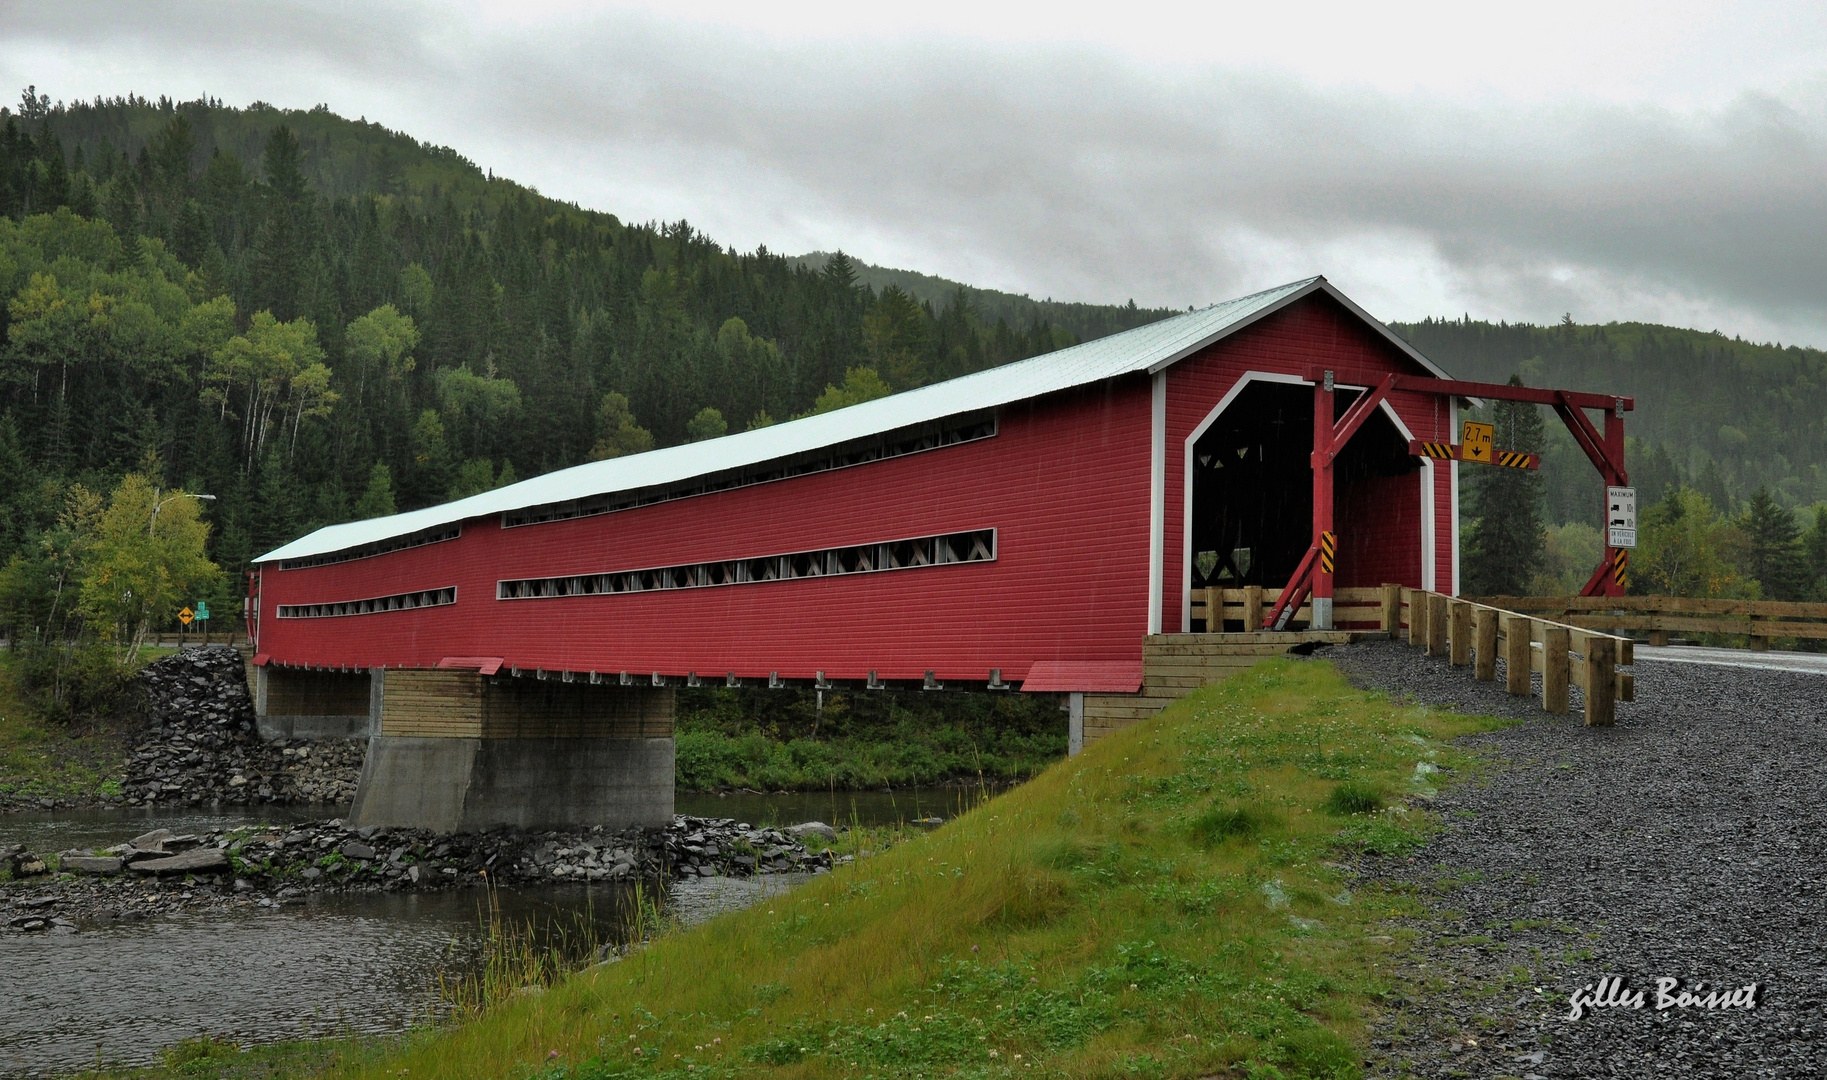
pixel 157 503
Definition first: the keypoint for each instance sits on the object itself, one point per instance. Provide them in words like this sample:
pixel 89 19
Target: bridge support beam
pixel 460 751
pixel 290 703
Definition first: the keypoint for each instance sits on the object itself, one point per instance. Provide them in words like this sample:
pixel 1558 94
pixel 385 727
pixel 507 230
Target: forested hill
pixel 1723 414
pixel 315 318
pixel 1082 321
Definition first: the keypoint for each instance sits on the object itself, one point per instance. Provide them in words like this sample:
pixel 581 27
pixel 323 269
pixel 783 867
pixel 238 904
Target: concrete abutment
pixel 455 750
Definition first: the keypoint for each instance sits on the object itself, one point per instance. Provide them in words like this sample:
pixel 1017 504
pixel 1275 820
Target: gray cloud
pixel 1058 169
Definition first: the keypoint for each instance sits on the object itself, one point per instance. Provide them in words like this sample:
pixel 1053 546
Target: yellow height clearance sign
pixel 1476 442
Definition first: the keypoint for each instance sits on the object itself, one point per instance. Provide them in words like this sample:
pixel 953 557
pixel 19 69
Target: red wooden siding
pixel 1064 483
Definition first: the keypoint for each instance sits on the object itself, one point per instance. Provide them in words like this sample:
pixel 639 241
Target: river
pixel 358 963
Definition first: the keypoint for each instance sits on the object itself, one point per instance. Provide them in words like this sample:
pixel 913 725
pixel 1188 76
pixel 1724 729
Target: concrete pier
pixel 456 750
pixel 295 704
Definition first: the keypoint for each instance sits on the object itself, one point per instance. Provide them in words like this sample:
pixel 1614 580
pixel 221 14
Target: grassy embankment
pixel 41 758
pixel 1168 904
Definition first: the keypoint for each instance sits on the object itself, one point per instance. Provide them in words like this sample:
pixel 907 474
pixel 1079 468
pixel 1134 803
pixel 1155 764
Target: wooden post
pixel 1436 624
pixel 1252 608
pixel 1459 633
pixel 1417 615
pixel 1517 658
pixel 1556 670
pixel 1484 643
pixel 1601 681
pixel 1760 643
pixel 1658 638
pixel 1392 610
pixel 1214 609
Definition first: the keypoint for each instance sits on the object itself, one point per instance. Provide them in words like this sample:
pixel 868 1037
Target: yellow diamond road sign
pixel 1476 442
pixel 186 615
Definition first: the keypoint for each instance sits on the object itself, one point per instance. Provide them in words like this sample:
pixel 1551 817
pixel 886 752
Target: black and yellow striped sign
pixel 1444 451
pixel 1620 566
pixel 1328 548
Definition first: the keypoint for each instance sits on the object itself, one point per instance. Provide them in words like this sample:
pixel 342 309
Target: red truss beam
pixel 1605 449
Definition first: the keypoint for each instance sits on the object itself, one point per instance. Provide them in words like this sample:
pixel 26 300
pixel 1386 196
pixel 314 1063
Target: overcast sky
pixel 1663 161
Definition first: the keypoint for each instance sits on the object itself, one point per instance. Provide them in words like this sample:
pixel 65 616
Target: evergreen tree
pixel 1505 545
pixel 377 500
pixel 1774 553
pixel 1815 546
pixel 617 433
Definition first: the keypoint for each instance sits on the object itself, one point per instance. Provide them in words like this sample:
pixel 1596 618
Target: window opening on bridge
pixel 1253 488
pixel 397 602
pixel 379 547
pixel 966 547
pixel 899 443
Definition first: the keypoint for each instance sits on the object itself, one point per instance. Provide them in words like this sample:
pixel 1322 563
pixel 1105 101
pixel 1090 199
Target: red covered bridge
pixel 1028 526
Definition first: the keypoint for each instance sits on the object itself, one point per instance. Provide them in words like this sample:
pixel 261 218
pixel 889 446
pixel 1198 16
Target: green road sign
pixel 203 610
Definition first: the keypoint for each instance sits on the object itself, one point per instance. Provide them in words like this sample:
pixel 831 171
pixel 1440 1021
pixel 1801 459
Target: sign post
pixel 203 617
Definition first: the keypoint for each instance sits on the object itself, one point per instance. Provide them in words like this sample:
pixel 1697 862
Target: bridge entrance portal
pixel 1252 481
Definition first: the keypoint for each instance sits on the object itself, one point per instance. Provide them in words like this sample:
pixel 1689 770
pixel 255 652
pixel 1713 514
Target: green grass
pixel 217 1059
pixel 1354 797
pixel 41 758
pixel 1167 904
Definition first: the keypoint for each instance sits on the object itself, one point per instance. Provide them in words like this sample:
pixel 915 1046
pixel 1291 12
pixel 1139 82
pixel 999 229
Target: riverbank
pixel 158 873
pixel 803 740
pixel 191 741
pixel 1179 900
pixel 46 765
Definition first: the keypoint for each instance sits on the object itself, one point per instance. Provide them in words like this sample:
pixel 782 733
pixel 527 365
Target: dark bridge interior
pixel 1253 483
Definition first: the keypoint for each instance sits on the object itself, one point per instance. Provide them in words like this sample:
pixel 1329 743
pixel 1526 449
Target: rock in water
pixel 152 841
pixel 195 861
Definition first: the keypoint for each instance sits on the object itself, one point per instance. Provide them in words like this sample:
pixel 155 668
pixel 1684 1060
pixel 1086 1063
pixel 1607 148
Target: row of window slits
pixel 895 444
pixel 965 547
pixel 379 547
pixel 398 602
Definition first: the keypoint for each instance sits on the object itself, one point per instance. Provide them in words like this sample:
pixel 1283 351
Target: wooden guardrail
pixel 1473 633
pixel 193 637
pixel 1466 632
pixel 1759 620
pixel 1352 609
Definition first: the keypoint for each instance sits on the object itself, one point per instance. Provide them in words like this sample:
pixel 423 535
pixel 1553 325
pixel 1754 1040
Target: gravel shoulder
pixel 1685 842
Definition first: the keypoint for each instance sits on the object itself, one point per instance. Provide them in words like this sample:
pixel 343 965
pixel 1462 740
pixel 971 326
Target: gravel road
pixel 1686 842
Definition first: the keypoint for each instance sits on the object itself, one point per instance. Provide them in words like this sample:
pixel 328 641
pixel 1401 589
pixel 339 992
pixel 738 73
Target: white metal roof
pixel 1144 349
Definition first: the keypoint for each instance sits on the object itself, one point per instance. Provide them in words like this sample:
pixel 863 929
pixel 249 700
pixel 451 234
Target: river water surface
pixel 357 963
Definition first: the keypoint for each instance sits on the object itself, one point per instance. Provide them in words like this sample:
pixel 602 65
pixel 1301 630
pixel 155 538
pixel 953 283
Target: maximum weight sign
pixel 1621 517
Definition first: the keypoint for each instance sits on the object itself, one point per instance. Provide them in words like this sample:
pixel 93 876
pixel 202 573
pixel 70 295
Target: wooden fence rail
pixel 1759 620
pixel 1468 633
pixel 1356 608
pixel 1475 634
pixel 195 637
